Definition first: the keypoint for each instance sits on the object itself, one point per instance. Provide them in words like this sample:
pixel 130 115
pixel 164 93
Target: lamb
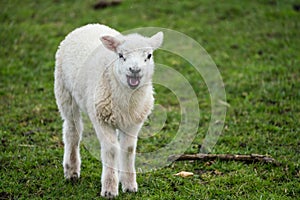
pixel 112 83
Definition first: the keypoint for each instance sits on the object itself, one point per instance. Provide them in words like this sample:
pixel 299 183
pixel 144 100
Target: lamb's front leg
pixel 128 141
pixel 109 156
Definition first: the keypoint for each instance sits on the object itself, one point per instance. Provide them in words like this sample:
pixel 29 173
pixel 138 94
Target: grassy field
pixel 256 46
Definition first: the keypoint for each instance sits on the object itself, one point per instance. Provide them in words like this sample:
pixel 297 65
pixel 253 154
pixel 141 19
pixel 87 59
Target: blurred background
pixel 255 45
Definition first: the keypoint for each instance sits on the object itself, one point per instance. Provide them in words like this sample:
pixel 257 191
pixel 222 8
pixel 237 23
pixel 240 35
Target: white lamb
pixel 112 83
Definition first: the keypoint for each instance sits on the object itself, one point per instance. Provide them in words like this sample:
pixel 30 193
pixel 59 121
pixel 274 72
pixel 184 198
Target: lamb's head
pixel 134 65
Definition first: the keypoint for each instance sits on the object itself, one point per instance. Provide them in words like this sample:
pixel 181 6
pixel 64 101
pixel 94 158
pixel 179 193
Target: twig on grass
pixel 251 158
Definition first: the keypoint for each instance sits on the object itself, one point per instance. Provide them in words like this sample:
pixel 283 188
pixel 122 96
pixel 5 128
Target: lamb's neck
pixel 127 97
pixel 121 106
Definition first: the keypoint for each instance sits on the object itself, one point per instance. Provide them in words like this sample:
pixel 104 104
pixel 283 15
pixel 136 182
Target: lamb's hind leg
pixel 72 128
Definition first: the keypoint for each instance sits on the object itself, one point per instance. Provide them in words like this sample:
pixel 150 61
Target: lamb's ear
pixel 110 42
pixel 157 40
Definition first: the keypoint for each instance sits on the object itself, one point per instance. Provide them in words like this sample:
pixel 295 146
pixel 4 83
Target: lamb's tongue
pixel 133 81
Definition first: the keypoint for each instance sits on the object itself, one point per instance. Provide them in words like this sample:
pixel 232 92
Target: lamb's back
pixel 78 46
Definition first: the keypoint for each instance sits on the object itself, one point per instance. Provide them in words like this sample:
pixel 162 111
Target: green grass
pixel 255 45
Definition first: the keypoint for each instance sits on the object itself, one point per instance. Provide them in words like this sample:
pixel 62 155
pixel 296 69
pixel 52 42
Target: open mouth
pixel 133 81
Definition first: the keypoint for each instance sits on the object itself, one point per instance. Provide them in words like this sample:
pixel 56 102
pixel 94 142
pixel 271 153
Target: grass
pixel 255 45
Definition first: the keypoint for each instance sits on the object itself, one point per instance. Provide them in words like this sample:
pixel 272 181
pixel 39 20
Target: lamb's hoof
pixel 110 185
pixel 72 177
pixel 72 172
pixel 109 194
pixel 130 188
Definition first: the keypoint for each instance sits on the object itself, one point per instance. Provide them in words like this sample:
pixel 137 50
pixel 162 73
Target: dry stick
pixel 226 157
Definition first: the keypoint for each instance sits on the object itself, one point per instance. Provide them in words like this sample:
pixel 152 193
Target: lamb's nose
pixel 134 70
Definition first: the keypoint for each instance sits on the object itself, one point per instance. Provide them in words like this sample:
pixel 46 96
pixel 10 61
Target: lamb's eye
pixel 149 56
pixel 121 56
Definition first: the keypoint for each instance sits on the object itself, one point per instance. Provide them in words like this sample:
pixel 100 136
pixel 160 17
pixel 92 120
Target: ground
pixel 255 45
